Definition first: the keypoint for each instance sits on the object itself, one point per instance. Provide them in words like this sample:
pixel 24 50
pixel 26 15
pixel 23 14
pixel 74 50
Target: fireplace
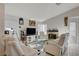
pixel 52 34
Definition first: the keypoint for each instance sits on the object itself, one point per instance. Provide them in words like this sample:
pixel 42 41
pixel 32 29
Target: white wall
pixel 12 22
pixel 58 21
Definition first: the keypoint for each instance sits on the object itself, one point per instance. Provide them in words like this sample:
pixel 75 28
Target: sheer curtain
pixel 73 42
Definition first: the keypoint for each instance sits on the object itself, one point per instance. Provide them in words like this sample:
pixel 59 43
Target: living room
pixel 39 29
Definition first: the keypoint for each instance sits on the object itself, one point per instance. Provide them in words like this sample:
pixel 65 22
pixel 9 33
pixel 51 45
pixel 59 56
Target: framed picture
pixel 32 23
pixel 66 21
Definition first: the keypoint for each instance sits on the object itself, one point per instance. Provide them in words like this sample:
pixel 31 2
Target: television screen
pixel 30 31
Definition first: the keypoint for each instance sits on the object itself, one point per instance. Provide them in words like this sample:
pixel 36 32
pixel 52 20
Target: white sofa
pixel 17 48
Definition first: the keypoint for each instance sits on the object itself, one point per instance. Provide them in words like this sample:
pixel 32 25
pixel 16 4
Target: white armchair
pixel 55 47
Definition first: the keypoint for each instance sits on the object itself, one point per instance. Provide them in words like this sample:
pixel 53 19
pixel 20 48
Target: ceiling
pixel 38 11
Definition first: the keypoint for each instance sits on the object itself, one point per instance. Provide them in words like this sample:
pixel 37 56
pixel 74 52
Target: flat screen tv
pixel 30 31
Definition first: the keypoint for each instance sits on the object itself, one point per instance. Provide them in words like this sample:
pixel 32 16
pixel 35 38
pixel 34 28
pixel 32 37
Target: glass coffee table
pixel 38 45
